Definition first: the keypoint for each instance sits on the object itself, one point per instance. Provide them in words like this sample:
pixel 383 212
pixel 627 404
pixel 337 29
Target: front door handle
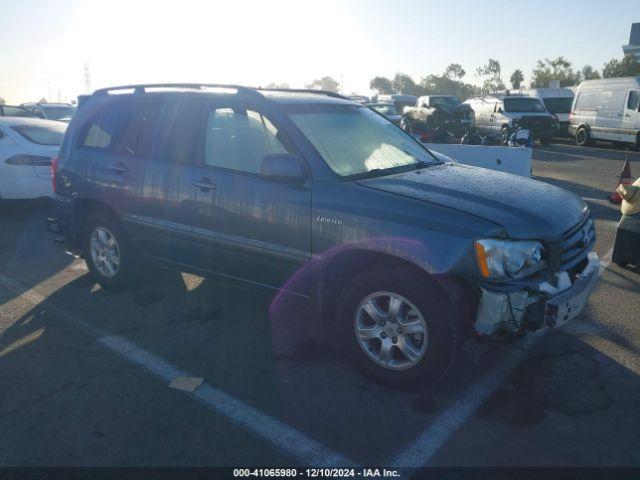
pixel 119 167
pixel 204 184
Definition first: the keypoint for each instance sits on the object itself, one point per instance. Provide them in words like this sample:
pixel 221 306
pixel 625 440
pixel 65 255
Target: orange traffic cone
pixel 624 179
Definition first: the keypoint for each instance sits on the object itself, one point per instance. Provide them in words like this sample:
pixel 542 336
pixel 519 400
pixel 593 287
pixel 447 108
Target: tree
pixel 454 71
pixel 277 85
pixel 517 77
pixel 442 85
pixel 557 69
pixel 324 83
pixel 382 85
pixel 492 71
pixel 588 73
pixel 2 102
pixel 403 83
pixel 627 67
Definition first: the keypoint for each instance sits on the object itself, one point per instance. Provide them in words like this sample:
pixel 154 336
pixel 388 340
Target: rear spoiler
pixel 82 99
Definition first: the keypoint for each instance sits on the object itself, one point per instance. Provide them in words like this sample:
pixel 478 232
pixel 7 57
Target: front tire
pixel 504 136
pixel 405 124
pixel 108 253
pixel 398 326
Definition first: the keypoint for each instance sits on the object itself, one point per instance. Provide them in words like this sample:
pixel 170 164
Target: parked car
pixel 360 98
pixel 558 102
pixel 443 112
pixel 51 111
pixel 399 101
pixel 607 110
pixel 13 111
pixel 321 199
pixel 503 114
pixel 27 146
pixel 388 110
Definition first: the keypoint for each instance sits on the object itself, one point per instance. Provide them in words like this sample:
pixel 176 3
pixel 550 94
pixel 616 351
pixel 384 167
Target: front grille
pixel 577 242
pixel 536 123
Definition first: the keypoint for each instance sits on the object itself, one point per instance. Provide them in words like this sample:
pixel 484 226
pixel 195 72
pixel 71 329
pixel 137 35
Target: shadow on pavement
pixel 24 237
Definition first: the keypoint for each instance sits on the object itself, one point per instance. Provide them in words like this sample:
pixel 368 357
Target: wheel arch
pixel 345 265
pixel 83 209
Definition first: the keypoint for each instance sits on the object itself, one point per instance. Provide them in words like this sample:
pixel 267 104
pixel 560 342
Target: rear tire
pixel 546 140
pixel 423 304
pixel 109 255
pixel 583 138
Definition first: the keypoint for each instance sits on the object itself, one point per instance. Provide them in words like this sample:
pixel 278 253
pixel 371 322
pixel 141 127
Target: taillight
pixel 54 172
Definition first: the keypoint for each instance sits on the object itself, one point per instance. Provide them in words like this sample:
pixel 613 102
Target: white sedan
pixel 27 146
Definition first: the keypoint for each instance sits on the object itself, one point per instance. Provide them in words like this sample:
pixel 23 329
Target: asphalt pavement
pixel 86 373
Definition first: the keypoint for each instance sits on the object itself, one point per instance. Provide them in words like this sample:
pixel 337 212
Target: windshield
pixel 523 104
pixel 49 135
pixel 9 111
pixel 385 109
pixel 355 141
pixel 558 104
pixel 400 106
pixel 447 102
pixel 59 112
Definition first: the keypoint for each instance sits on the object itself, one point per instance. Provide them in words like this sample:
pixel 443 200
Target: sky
pixel 49 46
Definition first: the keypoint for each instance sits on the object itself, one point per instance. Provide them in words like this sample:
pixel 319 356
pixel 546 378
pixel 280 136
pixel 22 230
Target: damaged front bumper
pixel 543 305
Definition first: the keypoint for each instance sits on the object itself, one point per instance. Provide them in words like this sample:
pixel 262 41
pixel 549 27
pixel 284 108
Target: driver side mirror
pixel 500 110
pixel 283 167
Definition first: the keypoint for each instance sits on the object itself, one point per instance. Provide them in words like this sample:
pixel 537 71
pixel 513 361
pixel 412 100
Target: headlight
pixel 503 259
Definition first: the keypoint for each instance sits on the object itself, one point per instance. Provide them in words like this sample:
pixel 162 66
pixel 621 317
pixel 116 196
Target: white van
pixel 607 110
pixel 558 102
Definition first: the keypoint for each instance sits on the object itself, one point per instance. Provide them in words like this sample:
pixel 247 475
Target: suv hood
pixel 524 208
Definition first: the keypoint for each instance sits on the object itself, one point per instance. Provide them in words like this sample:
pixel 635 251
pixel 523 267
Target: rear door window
pixel 238 138
pixel 160 129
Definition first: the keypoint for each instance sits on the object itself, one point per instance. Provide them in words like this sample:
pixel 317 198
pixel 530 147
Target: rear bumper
pixel 563 129
pixel 59 223
pixel 515 311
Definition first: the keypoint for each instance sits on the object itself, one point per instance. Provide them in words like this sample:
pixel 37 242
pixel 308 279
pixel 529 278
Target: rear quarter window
pixel 587 100
pixel 100 129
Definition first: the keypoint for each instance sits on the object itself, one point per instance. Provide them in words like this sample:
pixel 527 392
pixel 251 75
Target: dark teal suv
pixel 320 199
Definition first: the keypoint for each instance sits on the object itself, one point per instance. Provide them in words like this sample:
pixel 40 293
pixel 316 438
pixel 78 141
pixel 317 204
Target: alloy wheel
pixel 105 251
pixel 391 331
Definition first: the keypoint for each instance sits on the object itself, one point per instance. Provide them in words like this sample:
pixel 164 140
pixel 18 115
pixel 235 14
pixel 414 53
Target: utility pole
pixel 87 78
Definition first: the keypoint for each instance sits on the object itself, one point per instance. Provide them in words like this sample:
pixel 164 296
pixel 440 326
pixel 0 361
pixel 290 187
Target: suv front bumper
pixel 509 312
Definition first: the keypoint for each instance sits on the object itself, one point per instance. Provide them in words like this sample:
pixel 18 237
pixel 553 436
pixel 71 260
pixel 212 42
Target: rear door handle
pixel 119 167
pixel 204 184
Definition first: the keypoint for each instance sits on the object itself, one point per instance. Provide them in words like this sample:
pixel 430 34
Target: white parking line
pixel 289 440
pixel 420 452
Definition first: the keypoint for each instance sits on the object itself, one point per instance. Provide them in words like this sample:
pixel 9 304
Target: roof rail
pixel 304 90
pixel 141 88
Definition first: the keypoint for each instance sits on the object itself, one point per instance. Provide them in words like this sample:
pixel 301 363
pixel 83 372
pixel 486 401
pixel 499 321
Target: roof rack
pixel 142 88
pixel 304 90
